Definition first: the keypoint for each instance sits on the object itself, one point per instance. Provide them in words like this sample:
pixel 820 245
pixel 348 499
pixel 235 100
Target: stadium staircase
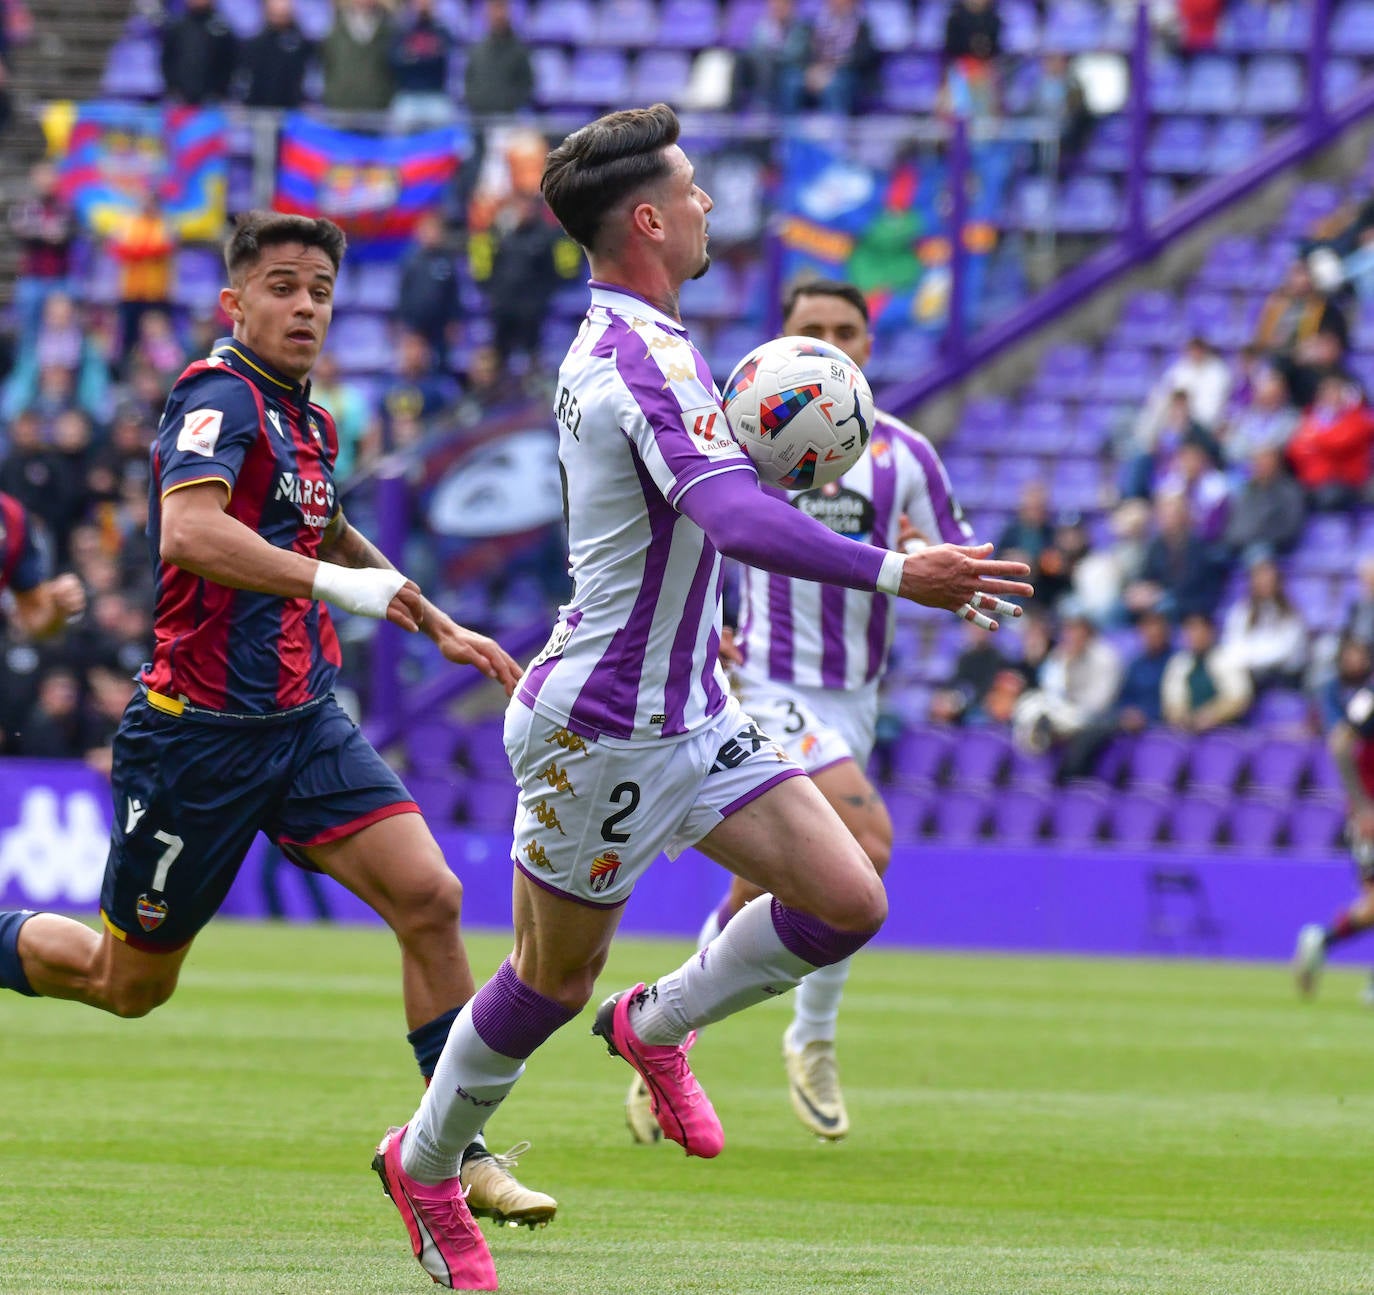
pixel 63 60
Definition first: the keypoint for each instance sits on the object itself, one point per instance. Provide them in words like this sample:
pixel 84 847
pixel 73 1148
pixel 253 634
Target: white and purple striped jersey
pixel 822 636
pixel 633 656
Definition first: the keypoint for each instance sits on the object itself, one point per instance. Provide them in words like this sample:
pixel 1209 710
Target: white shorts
pixel 592 816
pixel 817 727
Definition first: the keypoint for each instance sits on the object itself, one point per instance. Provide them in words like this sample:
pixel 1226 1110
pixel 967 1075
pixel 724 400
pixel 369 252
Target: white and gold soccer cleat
pixel 813 1082
pixel 494 1192
pixel 1309 956
pixel 639 1113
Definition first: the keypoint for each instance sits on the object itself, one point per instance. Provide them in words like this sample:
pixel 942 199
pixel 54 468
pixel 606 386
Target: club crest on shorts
pixel 604 869
pixel 151 913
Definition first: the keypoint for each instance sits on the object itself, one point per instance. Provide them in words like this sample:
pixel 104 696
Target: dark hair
pixel 256 230
pixel 825 288
pixel 599 166
pixel 1280 599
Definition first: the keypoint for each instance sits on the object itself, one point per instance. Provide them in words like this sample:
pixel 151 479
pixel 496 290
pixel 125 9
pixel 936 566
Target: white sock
pixel 710 928
pixel 469 1082
pixel 746 964
pixel 816 1005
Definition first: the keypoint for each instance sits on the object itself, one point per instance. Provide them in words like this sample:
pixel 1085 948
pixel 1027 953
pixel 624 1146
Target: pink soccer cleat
pixel 443 1233
pixel 679 1103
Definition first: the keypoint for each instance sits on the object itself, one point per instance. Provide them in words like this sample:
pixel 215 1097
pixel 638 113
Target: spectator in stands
pixel 1354 663
pixel 122 461
pixel 1101 575
pixel 197 55
pixel 1077 686
pixel 1193 473
pixel 1060 98
pixel 143 244
pixel 29 471
pixel 272 64
pixel 839 60
pixel 1304 331
pixel 499 77
pixel 419 69
pixel 1268 421
pixel 959 700
pixel 775 56
pixel 53 728
pixel 1204 685
pixel 1202 375
pixel 1265 632
pixel 488 386
pixel 1140 701
pixel 1157 442
pixel 1359 620
pixel 417 396
pixel 524 276
pixel 427 300
pixel 1267 511
pixel 1058 562
pixel 1030 532
pixel 973 44
pixel 59 340
pixel 1182 574
pixel 1197 24
pixel 43 225
pixel 1330 451
pixel 349 408
pixel 158 346
pixel 109 690
pixel 356 56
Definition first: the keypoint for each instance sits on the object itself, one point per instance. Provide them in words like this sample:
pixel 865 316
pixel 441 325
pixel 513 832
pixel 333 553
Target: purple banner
pixel 55 822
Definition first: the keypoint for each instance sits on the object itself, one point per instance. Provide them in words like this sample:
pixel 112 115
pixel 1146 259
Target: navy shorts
pixel 189 797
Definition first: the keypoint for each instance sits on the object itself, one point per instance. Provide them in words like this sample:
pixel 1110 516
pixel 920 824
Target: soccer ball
pixel 802 411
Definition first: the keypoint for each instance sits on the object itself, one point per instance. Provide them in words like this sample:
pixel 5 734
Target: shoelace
pixel 824 1075
pixel 674 1063
pixel 510 1158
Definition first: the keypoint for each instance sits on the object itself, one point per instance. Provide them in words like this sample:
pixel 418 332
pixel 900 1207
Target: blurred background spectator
pixel 1268 509
pixel 1263 631
pixel 499 77
pixel 835 65
pixel 427 299
pixel 419 69
pixel 1204 686
pixel 198 52
pixel 356 58
pixel 272 63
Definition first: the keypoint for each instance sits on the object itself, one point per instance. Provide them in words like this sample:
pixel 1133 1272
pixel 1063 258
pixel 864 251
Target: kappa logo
pixel 151 912
pixel 604 870
pixel 548 816
pixel 136 811
pixel 678 373
pixel 200 432
pixel 570 742
pixel 534 852
pixel 557 779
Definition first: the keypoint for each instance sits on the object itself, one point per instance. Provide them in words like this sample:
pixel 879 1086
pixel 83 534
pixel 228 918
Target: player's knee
pixel 434 904
pixel 863 906
pixel 741 892
pixel 138 998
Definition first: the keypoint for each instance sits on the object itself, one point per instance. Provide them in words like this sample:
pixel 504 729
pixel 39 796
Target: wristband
pixel 890 574
pixel 366 591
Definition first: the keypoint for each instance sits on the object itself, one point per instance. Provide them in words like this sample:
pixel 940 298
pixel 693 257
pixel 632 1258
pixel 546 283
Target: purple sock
pixel 513 1019
pixel 815 941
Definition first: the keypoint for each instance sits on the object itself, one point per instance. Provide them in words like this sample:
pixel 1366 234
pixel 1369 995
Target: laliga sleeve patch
pixel 200 432
pixel 709 430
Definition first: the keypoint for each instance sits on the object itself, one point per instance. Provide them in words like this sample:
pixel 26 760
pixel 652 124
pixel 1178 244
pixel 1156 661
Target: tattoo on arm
pixel 346 547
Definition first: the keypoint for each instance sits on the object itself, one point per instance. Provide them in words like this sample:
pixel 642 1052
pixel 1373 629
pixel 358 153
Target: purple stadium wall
pixel 54 827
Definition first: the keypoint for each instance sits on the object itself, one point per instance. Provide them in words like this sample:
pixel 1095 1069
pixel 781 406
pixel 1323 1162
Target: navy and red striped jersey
pixel 23 561
pixel 232 418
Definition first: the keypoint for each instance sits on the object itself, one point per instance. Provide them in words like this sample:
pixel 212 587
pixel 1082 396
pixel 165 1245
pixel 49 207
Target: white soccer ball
pixel 802 411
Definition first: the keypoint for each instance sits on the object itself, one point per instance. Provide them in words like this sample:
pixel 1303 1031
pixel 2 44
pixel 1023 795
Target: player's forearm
pixel 211 544
pixel 37 612
pixel 1342 747
pixel 345 546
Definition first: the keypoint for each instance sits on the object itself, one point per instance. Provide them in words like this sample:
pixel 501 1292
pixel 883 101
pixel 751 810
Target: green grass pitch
pixel 1020 1125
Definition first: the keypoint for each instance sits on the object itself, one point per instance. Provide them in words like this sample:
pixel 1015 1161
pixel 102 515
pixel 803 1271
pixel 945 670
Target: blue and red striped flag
pixel 375 186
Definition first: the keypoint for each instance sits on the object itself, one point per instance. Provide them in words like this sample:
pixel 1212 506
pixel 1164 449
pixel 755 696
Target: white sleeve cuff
pixel 890 576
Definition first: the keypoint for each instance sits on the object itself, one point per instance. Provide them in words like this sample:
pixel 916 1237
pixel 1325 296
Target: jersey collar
pixel 620 299
pixel 248 362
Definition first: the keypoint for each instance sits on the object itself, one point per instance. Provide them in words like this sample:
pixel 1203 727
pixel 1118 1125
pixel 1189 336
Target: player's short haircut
pixel 598 167
pixel 256 230
pixel 825 288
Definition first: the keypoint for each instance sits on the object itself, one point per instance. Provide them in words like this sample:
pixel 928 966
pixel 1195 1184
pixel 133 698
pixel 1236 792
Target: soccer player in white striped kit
pixel 622 734
pixel 807 662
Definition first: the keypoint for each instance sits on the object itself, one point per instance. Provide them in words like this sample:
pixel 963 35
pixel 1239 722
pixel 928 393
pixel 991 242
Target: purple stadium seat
pixel 1064 367
pixel 910 82
pixel 133 70
pixel 1018 815
pixel 1109 149
pixel 365 339
pixel 1326 778
pixel 740 21
pixel 556 21
pixel 1088 204
pixel 1178 146
pixel 484 751
pixel 1031 769
pixel 597 77
pixel 985 414
pixel 979 757
pixel 1077 813
pixel 1312 202
pixel 1213 85
pixel 1352 32
pixel 1074 27
pixel 1213 315
pixel 1279 768
pixel 1342 76
pixel 1020 27
pixel 1138 818
pixel 1078 484
pixel 1168 85
pixel 1230 263
pixel 1257 823
pixel 1281 708
pixel 689 24
pixel 243 16
pixel 958 817
pixel 441 799
pixel 890 24
pixel 632 23
pixel 1031 205
pixel 1235 143
pixel 921 755
pixel 661 75
pixel 1217 761
pixel 431 746
pixel 1123 375
pixel 907 807
pixel 1316 826
pixel 1157 761
pixel 1151 318
pixel 1273 86
pixel 1196 821
pixel 550 67
pixel 491 804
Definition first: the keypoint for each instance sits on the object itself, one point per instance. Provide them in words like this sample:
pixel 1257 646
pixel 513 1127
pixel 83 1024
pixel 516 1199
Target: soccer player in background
pixel 622 734
pixel 234 728
pixel 39 606
pixel 807 662
pixel 1352 747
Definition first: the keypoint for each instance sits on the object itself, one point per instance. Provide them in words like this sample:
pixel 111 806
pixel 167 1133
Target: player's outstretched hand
pixel 464 647
pixel 407 607
pixel 69 595
pixel 962 578
pixel 729 649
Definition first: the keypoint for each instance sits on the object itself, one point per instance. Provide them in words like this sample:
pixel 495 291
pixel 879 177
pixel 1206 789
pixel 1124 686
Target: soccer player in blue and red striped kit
pixel 39 606
pixel 234 728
